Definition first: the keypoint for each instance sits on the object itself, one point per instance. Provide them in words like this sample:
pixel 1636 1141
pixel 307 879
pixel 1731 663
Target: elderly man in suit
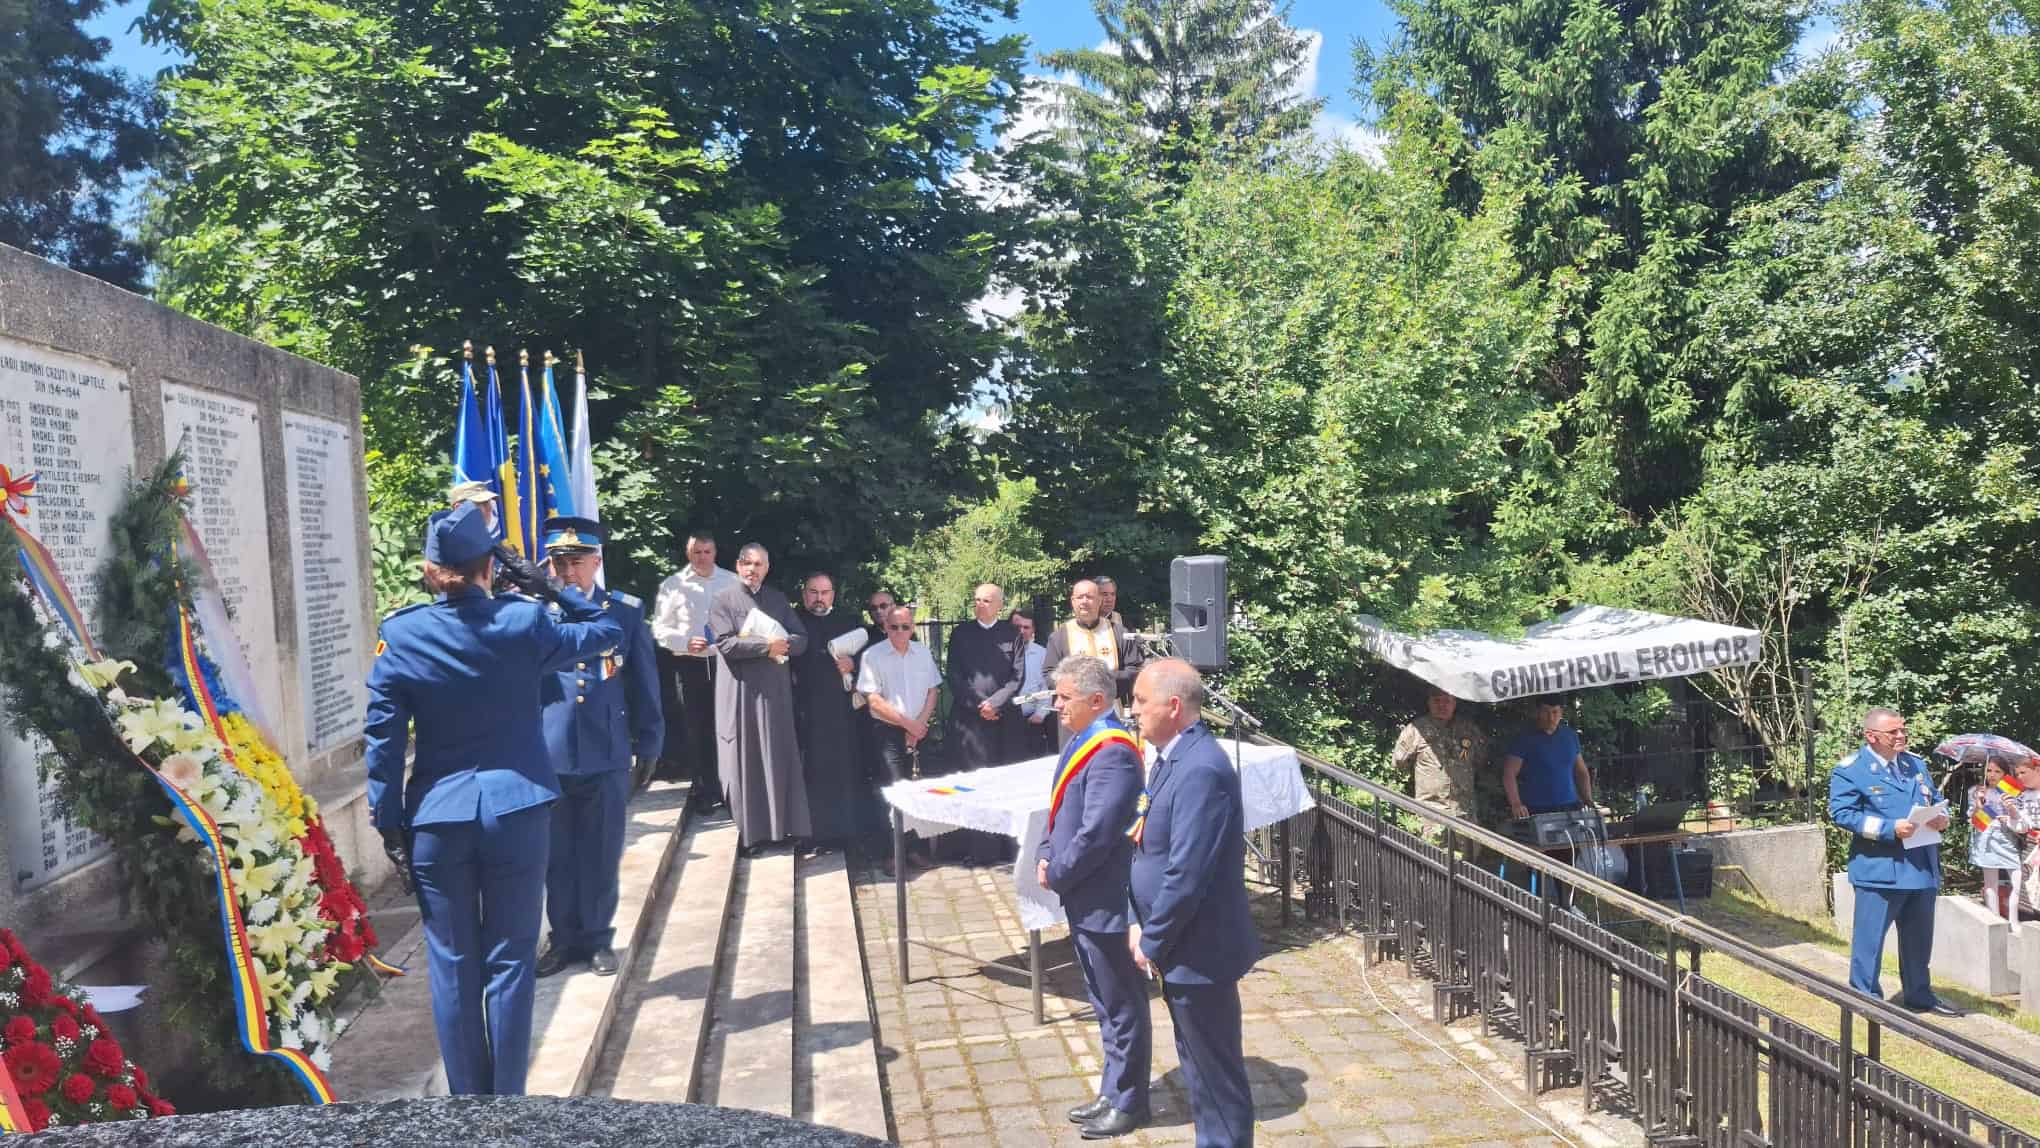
pixel 1193 925
pixel 1085 858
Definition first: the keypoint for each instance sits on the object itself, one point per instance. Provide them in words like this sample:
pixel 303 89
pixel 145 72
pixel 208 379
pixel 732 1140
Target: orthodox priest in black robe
pixel 830 739
pixel 986 662
pixel 757 744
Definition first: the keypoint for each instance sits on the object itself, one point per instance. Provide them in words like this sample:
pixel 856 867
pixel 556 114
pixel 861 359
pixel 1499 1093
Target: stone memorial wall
pixel 97 386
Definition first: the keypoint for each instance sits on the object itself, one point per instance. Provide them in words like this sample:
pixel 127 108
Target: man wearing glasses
pixel 900 683
pixel 1872 795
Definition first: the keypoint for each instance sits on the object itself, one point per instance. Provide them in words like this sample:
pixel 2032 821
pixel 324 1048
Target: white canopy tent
pixel 1582 648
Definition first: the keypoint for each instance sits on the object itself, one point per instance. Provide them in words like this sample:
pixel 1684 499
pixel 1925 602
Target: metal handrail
pixel 2009 1068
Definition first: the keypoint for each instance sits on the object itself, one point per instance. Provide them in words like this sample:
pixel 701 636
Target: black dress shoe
pixel 603 961
pixel 1113 1123
pixel 1085 1113
pixel 554 959
pixel 1939 1008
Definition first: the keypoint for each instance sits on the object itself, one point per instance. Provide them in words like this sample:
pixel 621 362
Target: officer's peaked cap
pixel 459 536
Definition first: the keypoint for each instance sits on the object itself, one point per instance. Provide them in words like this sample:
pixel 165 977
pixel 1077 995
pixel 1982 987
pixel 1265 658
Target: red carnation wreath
pixel 60 1066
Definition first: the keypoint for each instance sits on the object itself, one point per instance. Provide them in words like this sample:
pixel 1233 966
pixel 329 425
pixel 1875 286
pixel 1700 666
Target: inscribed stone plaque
pixel 221 439
pixel 319 459
pixel 69 421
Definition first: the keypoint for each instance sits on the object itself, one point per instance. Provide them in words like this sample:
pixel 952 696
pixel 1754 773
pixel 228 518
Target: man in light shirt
pixel 680 625
pixel 1036 717
pixel 900 684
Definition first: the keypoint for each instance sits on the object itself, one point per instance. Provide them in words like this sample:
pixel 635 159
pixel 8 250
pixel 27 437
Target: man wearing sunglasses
pixel 1872 795
pixel 900 683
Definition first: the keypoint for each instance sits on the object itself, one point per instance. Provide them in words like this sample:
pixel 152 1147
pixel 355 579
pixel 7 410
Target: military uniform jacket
pixel 467 669
pixel 602 711
pixel 1868 798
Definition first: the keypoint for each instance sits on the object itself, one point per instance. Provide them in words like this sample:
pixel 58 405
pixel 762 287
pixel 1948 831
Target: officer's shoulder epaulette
pixel 403 610
pixel 631 600
pixel 514 596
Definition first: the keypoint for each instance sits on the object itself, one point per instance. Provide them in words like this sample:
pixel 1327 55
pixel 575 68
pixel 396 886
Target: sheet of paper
pixel 1920 815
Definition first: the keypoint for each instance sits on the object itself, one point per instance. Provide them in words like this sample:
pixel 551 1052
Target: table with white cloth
pixel 1012 800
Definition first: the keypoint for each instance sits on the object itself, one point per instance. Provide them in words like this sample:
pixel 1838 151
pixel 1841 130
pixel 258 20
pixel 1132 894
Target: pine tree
pixel 1173 68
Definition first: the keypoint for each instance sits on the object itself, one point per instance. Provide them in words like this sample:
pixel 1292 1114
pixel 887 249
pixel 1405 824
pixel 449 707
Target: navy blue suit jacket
pixel 1087 850
pixel 468 667
pixel 602 711
pixel 1189 870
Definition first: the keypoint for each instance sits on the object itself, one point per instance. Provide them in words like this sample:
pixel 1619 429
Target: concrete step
pixel 390 1049
pixel 835 1054
pixel 654 1050
pixel 573 1009
pixel 749 1061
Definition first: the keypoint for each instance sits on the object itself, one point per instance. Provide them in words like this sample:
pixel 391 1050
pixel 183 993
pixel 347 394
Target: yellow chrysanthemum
pixel 262 763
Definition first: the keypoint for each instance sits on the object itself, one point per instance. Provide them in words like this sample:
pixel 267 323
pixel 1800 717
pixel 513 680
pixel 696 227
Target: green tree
pixel 989 540
pixel 73 130
pixel 1172 70
pixel 744 212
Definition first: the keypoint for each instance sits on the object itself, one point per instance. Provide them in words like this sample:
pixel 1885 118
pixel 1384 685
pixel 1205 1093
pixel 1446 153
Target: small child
pixel 1993 846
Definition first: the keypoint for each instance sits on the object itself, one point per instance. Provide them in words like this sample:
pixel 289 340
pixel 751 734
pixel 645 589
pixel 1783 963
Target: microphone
pixel 1036 696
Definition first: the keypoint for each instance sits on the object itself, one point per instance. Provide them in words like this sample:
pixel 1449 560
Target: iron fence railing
pixel 1605 990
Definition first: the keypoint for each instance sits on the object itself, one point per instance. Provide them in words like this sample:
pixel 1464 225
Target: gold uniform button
pixel 580 665
pixel 578 699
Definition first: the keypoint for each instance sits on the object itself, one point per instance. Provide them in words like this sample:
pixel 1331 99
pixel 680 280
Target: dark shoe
pixel 603 961
pixel 1085 1113
pixel 1113 1123
pixel 1939 1008
pixel 554 959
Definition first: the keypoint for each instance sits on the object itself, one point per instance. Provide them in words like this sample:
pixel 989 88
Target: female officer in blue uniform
pixel 1872 795
pixel 473 820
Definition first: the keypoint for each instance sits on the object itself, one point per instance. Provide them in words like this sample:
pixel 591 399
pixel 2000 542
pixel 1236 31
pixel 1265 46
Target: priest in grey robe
pixel 758 749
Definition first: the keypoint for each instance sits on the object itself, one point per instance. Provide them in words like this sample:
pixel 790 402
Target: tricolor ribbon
pixel 250 1010
pixel 208 709
pixel 1078 756
pixel 13 1114
pixel 49 586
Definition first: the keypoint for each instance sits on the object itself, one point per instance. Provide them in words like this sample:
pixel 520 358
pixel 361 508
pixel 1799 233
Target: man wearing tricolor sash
pixel 1086 857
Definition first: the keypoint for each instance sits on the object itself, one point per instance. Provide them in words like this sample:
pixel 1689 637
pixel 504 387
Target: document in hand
pixel 846 645
pixel 1920 815
pixel 759 624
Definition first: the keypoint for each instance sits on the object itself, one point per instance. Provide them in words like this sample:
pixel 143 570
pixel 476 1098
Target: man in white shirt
pixel 900 684
pixel 680 625
pixel 1038 718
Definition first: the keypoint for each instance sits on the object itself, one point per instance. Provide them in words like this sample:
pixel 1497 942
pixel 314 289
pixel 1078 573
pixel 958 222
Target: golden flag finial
pixel 490 355
pixel 580 364
pixel 467 349
pixel 549 360
pixel 524 358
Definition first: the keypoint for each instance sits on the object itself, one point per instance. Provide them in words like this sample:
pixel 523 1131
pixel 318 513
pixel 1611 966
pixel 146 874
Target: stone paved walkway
pixel 964 1062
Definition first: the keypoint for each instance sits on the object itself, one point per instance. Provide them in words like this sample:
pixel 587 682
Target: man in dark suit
pixel 1193 924
pixel 1085 856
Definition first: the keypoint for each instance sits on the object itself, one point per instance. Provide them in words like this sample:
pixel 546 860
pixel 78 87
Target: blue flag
pixel 478 447
pixel 555 468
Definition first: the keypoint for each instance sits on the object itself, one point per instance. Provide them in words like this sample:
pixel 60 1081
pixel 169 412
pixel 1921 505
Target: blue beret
pixel 459 536
pixel 569 533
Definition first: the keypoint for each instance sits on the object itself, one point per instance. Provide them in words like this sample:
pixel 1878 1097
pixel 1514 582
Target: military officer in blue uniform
pixel 1193 925
pixel 1085 858
pixel 471 824
pixel 1872 795
pixel 600 713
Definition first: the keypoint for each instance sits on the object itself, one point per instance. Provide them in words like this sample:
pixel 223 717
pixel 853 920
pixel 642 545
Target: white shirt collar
pixel 1886 762
pixel 1162 752
pixel 986 625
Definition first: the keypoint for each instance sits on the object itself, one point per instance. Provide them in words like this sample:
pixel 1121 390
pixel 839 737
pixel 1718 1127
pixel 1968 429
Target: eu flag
pixel 555 470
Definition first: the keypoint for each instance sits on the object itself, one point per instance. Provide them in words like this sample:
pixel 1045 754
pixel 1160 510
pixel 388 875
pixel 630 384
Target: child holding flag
pixel 1993 847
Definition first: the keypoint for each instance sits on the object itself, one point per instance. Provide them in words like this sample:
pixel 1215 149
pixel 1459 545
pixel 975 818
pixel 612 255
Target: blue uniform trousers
pixel 1118 994
pixel 1207 1020
pixel 587 848
pixel 1876 911
pixel 480 884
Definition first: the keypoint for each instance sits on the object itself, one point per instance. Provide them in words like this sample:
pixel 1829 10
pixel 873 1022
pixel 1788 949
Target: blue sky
pixel 1048 24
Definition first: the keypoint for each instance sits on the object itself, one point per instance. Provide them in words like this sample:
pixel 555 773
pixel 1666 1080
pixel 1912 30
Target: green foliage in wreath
pixel 99 785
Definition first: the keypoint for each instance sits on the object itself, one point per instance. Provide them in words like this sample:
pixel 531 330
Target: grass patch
pixel 1759 925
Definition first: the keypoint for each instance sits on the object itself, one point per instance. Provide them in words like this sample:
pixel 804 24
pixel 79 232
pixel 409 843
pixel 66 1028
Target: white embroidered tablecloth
pixel 1012 801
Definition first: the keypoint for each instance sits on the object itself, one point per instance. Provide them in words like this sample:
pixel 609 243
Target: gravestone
pixel 97 386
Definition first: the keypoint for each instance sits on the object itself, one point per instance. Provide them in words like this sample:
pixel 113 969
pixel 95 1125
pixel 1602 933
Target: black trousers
pixel 697 707
pixel 890 762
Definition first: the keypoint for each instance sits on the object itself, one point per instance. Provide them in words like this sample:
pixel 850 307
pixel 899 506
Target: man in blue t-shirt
pixel 1544 770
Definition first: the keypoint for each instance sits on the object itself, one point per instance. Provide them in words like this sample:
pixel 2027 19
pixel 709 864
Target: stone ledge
pixel 532 1121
